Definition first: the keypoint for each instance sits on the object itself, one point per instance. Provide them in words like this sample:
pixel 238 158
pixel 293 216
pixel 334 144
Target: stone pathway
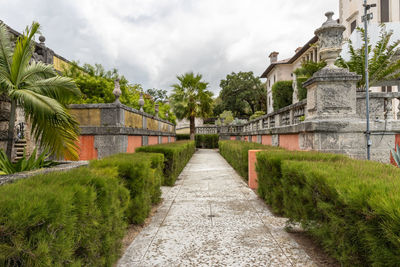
pixel 211 218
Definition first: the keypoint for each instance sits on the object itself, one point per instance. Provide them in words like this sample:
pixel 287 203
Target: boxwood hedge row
pixel 79 217
pixel 176 156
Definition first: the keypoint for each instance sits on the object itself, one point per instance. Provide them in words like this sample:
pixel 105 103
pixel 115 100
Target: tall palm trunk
pixel 11 126
pixel 192 127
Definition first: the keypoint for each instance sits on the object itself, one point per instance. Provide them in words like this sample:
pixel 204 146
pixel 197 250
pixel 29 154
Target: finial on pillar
pixel 42 39
pixel 330 36
pixel 156 109
pixel 141 101
pixel 117 91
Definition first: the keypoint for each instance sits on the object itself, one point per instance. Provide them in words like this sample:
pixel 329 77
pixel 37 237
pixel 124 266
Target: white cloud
pixel 151 41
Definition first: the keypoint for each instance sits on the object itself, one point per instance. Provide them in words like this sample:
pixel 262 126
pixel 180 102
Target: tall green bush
pixel 269 172
pixel 180 137
pixel 176 156
pixel 142 174
pixel 352 208
pixel 282 94
pixel 206 140
pixel 236 154
pixel 305 72
pixel 69 218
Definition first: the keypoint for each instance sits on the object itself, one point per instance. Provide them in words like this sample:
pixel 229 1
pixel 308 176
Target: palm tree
pixel 191 99
pixel 41 93
pixel 384 63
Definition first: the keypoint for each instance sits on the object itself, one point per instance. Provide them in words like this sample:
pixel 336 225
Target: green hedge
pixel 176 156
pixel 236 154
pixel 142 174
pixel 180 137
pixel 269 172
pixel 206 140
pixel 69 218
pixel 352 208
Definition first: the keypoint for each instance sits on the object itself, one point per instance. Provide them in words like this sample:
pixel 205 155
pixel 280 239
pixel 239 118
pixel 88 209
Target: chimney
pixel 273 57
pixel 298 49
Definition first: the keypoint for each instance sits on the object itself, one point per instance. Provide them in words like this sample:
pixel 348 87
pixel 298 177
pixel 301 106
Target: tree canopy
pixel 282 94
pixel 191 99
pixel 243 94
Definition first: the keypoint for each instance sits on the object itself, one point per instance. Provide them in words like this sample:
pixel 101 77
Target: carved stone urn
pixel 330 36
pixel 141 101
pixel 117 91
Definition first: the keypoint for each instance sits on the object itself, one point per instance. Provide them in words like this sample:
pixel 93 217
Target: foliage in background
pixel 243 94
pixel 384 59
pixel 225 118
pixel 256 115
pixel 180 137
pixel 158 95
pixel 42 94
pixel 305 72
pixel 191 99
pixel 207 140
pixel 25 163
pixel 97 86
pixel 282 94
pixel 176 156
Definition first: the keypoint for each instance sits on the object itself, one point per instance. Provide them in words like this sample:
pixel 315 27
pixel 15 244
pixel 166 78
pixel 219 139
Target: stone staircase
pixel 19 147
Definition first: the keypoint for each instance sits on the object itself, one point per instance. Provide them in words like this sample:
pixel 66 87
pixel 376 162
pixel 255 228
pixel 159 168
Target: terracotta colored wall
pixel 153 140
pixel 233 138
pixel 253 182
pixel 172 139
pixel 87 151
pixel 266 140
pixel 165 139
pixel 134 141
pixel 289 141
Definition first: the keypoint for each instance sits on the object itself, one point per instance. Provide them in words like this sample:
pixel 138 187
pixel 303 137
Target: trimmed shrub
pixel 142 174
pixel 236 154
pixel 282 94
pixel 206 140
pixel 180 137
pixel 269 173
pixel 176 156
pixel 69 218
pixel 351 207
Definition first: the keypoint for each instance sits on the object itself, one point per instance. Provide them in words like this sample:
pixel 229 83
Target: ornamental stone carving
pixel 117 91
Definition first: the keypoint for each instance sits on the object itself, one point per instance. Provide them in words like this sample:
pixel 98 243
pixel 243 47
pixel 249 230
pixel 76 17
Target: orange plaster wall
pixel 289 141
pixel 134 141
pixel 253 182
pixel 172 139
pixel 153 140
pixel 164 139
pixel 266 140
pixel 233 138
pixel 87 151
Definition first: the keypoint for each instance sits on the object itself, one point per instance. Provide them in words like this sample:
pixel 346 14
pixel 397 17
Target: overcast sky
pixel 151 41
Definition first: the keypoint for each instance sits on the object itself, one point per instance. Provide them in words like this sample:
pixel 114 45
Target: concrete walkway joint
pixel 211 218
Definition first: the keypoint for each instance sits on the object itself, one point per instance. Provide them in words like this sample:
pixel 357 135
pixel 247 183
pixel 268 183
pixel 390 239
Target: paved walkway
pixel 211 218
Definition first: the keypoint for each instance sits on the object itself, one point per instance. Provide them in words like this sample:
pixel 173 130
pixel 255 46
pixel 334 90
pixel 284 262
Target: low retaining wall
pixel 108 129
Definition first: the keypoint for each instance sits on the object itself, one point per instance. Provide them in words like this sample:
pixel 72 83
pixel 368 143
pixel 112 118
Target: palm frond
pixel 5 49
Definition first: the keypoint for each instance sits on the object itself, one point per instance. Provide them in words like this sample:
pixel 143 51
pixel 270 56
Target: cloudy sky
pixel 151 41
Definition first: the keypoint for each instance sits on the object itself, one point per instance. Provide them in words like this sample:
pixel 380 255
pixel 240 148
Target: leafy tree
pixel 218 106
pixel 384 59
pixel 243 94
pixel 158 95
pixel 97 85
pixel 282 93
pixel 42 94
pixel 191 99
pixel 305 72
pixel 225 118
pixel 256 115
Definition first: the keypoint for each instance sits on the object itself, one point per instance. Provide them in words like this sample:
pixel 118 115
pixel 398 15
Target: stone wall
pixel 115 128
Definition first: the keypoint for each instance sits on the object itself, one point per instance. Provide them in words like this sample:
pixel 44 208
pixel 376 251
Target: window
pixel 274 78
pixel 384 11
pixel 386 89
pixel 353 26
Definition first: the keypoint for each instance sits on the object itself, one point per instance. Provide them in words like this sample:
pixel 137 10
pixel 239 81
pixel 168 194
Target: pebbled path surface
pixel 211 218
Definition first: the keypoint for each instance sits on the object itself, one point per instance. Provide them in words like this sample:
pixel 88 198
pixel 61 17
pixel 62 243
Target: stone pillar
pixel 331 92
